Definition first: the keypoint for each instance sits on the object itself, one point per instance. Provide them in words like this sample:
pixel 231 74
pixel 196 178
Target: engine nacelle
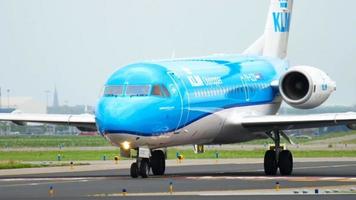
pixel 305 87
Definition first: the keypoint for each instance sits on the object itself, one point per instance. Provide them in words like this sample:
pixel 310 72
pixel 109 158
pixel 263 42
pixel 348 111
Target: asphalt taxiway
pixel 333 180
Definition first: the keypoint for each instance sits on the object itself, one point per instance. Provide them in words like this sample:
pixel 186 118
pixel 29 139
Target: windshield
pixel 113 90
pixel 160 90
pixel 137 90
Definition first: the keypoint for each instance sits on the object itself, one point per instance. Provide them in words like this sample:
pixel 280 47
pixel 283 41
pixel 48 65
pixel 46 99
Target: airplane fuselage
pixel 188 101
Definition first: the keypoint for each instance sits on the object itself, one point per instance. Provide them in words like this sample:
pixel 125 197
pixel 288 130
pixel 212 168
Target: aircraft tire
pixel 270 163
pixel 144 168
pixel 158 162
pixel 285 163
pixel 134 170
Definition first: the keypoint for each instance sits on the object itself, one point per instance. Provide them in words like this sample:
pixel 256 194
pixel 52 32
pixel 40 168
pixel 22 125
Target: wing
pixel 85 122
pixel 288 122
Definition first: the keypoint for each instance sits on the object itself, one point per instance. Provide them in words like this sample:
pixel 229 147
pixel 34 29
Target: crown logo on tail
pixel 283 3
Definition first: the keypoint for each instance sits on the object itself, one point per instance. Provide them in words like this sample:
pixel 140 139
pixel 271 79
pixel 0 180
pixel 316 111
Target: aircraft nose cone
pixel 111 114
pixel 125 115
pixel 140 116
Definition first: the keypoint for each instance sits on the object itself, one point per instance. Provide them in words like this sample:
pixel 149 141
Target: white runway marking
pixel 301 178
pixel 45 181
pixel 311 167
pixel 51 179
pixel 344 189
pixel 326 166
pixel 263 178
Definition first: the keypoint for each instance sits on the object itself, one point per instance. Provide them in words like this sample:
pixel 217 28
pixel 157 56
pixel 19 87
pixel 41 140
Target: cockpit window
pixel 165 91
pixel 160 90
pixel 137 90
pixel 156 91
pixel 113 90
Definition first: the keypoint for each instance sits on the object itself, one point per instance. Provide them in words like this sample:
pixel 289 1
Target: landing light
pixel 125 145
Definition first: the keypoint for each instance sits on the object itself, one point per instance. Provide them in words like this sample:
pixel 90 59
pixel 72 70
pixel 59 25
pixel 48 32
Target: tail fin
pixel 274 41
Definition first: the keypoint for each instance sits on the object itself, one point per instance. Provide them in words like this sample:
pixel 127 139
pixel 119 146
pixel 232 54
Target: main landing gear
pixel 278 157
pixel 142 166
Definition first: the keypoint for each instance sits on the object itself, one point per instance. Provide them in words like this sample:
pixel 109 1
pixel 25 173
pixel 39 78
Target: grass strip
pixel 12 164
pixel 83 155
pixel 20 141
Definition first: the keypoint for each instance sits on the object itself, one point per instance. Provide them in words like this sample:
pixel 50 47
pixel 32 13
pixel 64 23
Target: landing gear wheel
pixel 158 162
pixel 144 168
pixel 134 170
pixel 285 162
pixel 270 163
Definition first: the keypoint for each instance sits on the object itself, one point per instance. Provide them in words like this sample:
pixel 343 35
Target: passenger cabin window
pixel 113 90
pixel 137 90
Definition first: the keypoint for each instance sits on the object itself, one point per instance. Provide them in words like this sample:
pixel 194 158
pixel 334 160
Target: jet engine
pixel 305 87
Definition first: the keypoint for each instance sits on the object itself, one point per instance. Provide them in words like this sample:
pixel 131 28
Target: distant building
pixel 78 109
pixel 7 110
pixel 26 105
pixel 30 105
pixel 55 98
pixel 56 108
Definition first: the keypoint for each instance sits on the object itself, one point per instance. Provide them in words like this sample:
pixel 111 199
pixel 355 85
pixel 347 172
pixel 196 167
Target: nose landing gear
pixel 278 158
pixel 142 166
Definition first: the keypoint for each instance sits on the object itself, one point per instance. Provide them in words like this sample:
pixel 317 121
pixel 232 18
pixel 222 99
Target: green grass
pixel 333 135
pixel 20 141
pixel 188 154
pixel 306 141
pixel 15 165
pixel 53 155
pixel 350 142
pixel 11 164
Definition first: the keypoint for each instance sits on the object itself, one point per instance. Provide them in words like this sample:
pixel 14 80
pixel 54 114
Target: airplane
pixel 219 99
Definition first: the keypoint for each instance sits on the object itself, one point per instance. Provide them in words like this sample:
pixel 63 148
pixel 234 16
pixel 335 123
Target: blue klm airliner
pixel 219 99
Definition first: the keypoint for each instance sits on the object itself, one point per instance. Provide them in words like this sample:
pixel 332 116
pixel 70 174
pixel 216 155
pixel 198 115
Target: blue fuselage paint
pixel 197 88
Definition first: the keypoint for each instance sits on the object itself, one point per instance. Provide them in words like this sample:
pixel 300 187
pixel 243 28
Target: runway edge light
pixel 277 186
pixel 116 158
pixel 170 187
pixel 124 192
pixel 51 191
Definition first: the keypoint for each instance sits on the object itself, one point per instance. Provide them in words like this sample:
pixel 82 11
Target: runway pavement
pixel 334 180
